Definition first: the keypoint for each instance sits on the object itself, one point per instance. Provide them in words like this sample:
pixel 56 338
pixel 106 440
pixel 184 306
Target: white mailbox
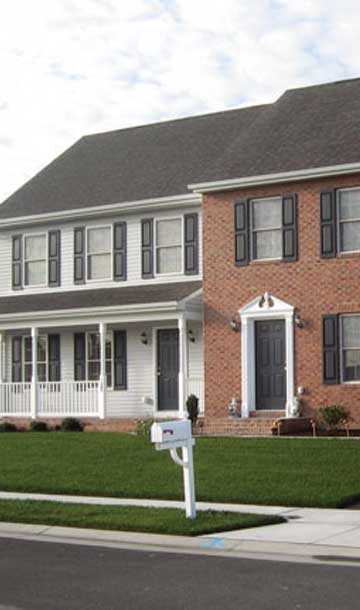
pixel 171 435
pixel 173 432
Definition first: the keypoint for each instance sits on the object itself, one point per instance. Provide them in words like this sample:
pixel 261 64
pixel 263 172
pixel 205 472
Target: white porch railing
pixel 195 385
pixel 53 399
pixel 15 399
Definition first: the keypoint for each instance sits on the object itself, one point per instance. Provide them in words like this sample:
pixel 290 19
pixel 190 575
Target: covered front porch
pixel 132 362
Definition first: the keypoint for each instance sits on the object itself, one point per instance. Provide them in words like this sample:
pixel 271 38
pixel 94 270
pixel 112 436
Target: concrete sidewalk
pixel 329 531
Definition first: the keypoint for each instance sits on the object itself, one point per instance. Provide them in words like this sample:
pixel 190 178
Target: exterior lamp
pixel 234 325
pixel 144 338
pixel 298 321
pixel 191 336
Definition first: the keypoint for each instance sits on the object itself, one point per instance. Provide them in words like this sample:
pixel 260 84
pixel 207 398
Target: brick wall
pixel 313 285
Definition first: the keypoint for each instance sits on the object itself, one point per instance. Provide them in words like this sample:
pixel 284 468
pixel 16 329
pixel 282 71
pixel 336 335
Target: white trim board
pixel 265 307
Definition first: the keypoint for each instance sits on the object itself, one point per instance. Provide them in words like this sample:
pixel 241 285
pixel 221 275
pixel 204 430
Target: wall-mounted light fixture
pixel 191 336
pixel 144 338
pixel 299 322
pixel 234 325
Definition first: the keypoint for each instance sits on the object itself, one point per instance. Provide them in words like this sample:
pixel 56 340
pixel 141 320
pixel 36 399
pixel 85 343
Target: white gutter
pixel 262 179
pixel 187 199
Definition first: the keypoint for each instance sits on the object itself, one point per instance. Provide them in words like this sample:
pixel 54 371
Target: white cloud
pixel 70 67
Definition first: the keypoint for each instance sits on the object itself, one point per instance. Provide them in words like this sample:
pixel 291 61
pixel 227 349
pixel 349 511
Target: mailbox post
pixel 172 435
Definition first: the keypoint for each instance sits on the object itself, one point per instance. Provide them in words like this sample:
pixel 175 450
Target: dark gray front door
pixel 168 369
pixel 270 365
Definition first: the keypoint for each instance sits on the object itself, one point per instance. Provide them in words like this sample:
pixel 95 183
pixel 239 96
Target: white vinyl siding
pixel 67 255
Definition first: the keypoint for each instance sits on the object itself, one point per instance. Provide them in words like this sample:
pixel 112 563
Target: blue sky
pixel 72 67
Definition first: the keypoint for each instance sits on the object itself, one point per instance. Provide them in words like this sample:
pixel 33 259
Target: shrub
pixel 71 424
pixel 6 426
pixel 332 416
pixel 39 426
pixel 192 405
pixel 143 427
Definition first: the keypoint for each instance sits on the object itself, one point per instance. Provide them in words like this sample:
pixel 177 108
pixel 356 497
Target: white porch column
pixel 290 364
pixel 34 377
pixel 182 365
pixel 102 378
pixel 245 369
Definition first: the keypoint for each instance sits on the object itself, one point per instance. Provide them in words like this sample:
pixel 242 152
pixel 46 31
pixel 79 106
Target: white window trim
pixel 249 314
pixel 342 349
pixel 25 260
pixel 340 222
pixel 173 273
pixel 109 333
pixel 253 230
pixel 87 254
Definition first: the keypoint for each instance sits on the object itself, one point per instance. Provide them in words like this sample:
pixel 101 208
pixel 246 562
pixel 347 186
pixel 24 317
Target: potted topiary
pixel 192 405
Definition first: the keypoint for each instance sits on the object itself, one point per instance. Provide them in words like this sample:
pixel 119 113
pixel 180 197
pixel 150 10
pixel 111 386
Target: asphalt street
pixel 52 576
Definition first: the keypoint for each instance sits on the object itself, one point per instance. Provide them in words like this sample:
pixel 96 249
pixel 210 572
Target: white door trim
pixel 264 307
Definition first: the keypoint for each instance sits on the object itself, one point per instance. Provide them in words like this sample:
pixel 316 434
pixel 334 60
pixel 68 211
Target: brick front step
pixel 256 426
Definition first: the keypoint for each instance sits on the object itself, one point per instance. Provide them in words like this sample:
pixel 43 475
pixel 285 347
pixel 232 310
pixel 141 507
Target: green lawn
pixel 129 518
pixel 293 472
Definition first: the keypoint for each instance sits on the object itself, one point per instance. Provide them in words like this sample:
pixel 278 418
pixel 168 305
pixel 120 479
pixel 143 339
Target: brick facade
pixel 313 285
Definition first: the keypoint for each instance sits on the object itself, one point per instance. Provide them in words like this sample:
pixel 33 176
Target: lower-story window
pixel 350 347
pixel 87 358
pixel 93 357
pixel 48 358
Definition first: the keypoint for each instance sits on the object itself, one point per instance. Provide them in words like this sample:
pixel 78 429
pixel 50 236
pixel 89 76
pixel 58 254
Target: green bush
pixel 39 426
pixel 333 416
pixel 143 427
pixel 192 405
pixel 71 424
pixel 6 426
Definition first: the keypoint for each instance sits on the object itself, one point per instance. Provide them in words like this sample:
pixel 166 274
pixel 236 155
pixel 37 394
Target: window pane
pixel 169 260
pixel 351 331
pixel 98 240
pixel 41 349
pixel 35 247
pixel 27 372
pixel 35 273
pixel 268 244
pixel 108 373
pixel 349 204
pixel 349 236
pixel 27 349
pixel 168 232
pixel 351 365
pixel 93 346
pixel 42 372
pixel 267 214
pixel 94 371
pixel 108 348
pixel 99 266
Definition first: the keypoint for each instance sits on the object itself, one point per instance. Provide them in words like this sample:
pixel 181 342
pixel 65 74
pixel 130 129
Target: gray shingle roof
pixel 104 297
pixel 305 128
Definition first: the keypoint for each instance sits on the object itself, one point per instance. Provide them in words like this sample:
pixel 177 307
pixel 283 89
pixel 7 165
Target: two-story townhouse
pixel 240 227
pixel 281 263
pixel 101 311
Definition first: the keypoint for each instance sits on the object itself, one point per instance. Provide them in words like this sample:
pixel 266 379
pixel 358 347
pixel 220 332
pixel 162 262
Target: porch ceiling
pixel 98 298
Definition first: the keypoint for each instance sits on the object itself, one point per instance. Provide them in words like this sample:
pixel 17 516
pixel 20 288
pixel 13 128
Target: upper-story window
pixel 266 228
pixel 99 252
pixel 35 260
pixel 169 250
pixel 349 220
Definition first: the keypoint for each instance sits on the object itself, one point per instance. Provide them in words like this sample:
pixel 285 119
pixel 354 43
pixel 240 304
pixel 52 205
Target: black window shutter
pixel 242 230
pixel 289 222
pixel 79 357
pixel 191 244
pixel 54 258
pixel 330 349
pixel 120 360
pixel 120 254
pixel 54 357
pixel 16 359
pixel 17 262
pixel 328 224
pixel 79 255
pixel 147 248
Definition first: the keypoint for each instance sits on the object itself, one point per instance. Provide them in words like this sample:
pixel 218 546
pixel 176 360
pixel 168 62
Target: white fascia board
pixel 187 199
pixel 303 174
pixel 42 317
pixel 191 296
